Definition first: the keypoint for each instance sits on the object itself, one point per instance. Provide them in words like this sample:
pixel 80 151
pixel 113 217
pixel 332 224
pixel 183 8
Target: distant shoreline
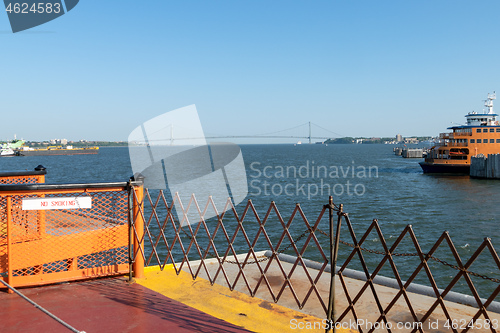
pixel 77 144
pixel 335 141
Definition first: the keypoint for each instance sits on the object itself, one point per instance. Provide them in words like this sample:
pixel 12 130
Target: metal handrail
pixel 58 186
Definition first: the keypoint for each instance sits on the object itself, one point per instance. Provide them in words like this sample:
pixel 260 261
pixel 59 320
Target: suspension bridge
pixel 302 131
pixel 165 134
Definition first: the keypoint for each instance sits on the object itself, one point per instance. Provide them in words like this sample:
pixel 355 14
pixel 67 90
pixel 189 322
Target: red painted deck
pixel 105 305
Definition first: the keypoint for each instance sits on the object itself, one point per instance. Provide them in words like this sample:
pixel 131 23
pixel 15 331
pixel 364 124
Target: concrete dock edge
pixel 392 283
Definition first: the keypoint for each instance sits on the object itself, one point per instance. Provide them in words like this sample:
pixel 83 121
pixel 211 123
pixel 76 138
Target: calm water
pixel 383 186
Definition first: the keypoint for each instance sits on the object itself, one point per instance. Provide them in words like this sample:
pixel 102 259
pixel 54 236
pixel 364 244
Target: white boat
pixel 7 149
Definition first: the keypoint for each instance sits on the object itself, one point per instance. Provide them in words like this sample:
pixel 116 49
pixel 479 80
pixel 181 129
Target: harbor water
pixel 369 180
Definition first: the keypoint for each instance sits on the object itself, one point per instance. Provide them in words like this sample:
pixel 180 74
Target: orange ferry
pixel 481 135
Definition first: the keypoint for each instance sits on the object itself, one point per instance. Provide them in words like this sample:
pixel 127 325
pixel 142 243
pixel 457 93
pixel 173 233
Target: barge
pixel 56 150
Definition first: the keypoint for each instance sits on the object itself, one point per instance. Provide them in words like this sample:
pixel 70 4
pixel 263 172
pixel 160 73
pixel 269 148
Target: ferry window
pixel 492 140
pixel 498 129
pixel 485 130
pixel 492 130
pixel 478 140
pixel 478 130
pixel 498 140
pixel 472 140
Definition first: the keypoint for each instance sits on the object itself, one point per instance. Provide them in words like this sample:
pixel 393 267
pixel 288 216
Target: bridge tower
pixel 309 132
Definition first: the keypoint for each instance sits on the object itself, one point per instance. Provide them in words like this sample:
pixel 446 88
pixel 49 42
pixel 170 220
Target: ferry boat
pixel 9 148
pixel 481 135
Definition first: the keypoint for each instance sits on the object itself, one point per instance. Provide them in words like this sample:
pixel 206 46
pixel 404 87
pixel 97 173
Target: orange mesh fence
pixel 39 246
pixel 24 177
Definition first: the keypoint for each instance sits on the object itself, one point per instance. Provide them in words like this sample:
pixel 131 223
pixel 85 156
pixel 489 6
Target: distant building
pixel 399 138
pixel 411 140
pixel 64 141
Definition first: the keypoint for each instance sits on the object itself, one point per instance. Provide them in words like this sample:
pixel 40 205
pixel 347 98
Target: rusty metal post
pixel 334 247
pixel 138 211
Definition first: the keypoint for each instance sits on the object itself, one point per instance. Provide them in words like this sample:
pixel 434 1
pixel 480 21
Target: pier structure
pixel 485 166
pixel 409 152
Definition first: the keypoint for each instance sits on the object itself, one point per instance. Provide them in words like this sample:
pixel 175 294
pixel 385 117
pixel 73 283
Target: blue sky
pixel 358 68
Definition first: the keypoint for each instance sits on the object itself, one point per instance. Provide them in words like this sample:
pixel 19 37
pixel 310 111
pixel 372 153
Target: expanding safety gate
pixel 225 250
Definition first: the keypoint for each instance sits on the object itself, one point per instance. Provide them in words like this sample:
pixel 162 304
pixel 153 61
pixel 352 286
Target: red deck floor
pixel 105 305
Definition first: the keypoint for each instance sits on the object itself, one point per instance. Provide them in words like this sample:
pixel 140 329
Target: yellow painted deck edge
pixel 234 307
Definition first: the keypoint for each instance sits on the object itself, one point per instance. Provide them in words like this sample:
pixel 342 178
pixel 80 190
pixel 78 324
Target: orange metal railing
pixel 453 135
pixel 24 177
pixel 41 246
pixel 462 133
pixel 458 144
